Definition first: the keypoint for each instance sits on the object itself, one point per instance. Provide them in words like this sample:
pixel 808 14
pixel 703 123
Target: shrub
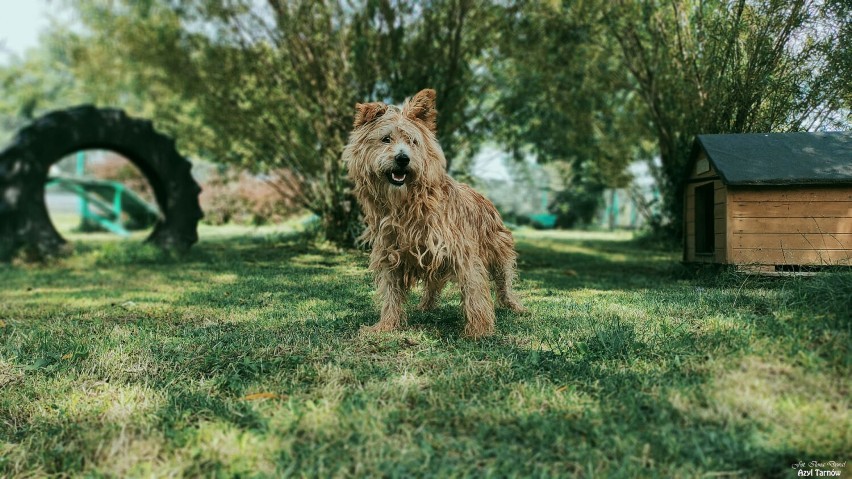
pixel 239 197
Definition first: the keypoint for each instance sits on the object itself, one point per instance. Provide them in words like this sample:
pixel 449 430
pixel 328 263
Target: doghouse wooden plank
pixel 794 240
pixel 787 195
pixel 791 225
pixel 791 256
pixel 792 209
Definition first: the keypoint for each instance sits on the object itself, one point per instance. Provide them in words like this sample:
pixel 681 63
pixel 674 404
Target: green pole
pixel 81 163
pixel 614 217
pixel 84 203
pixel 116 203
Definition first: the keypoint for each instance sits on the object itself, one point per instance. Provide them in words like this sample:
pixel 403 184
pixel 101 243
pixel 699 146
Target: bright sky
pixel 21 21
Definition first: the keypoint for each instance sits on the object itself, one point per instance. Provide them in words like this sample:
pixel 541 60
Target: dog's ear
pixel 422 107
pixel 367 112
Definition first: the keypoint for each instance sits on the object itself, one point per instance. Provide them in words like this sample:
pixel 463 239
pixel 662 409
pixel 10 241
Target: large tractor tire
pixel 24 165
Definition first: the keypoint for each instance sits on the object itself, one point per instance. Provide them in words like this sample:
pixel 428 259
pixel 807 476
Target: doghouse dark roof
pixel 780 158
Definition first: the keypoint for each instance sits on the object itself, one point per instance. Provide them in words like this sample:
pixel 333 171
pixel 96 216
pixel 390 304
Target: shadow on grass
pixel 281 315
pixel 591 264
pixel 628 413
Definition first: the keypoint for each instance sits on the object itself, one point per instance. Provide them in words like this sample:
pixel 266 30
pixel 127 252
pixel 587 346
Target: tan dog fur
pixel 430 228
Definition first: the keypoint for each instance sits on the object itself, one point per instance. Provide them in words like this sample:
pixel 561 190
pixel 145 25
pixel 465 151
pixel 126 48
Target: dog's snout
pixel 401 159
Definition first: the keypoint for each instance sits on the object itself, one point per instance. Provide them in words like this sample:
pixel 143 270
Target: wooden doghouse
pixel 770 202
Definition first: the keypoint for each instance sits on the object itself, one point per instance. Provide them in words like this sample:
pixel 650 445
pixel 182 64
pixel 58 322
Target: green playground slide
pixel 115 207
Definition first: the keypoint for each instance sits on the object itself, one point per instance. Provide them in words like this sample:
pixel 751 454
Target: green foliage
pixel 244 359
pixel 272 85
pixel 563 96
pixel 404 46
pixel 43 80
pixel 576 205
pixel 731 66
pixel 562 92
pixel 592 84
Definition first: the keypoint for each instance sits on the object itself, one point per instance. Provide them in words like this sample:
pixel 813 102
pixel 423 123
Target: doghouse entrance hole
pixel 705 234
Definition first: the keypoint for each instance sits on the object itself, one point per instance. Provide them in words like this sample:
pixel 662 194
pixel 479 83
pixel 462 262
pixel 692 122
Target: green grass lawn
pixel 244 358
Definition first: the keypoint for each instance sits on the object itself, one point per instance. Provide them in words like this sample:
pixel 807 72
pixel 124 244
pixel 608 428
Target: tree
pixel 271 85
pixel 445 44
pixel 39 82
pixel 274 84
pixel 731 66
pixel 563 96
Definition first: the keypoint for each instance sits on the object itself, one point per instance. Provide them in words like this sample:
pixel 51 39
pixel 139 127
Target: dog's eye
pixel 414 142
pixel 386 139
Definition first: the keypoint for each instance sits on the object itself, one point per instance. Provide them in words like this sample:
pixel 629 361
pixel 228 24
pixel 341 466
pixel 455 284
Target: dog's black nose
pixel 401 160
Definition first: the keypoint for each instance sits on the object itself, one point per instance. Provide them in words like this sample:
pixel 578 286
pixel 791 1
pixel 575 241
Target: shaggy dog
pixel 423 225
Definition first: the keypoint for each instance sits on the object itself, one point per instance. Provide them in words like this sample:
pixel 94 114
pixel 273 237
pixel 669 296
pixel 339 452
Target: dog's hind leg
pixel 431 292
pixel 476 300
pixel 506 297
pixel 392 293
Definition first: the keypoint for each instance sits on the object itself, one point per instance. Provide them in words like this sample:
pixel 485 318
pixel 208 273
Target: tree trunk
pixel 342 223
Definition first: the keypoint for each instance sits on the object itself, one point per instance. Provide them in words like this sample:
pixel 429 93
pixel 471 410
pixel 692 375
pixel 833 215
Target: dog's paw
pixel 515 307
pixel 478 331
pixel 380 327
pixel 518 308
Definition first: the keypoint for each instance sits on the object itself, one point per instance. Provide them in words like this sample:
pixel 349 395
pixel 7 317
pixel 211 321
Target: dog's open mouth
pixel 397 177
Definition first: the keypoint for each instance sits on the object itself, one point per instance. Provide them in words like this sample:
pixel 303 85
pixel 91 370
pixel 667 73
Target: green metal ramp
pixel 110 199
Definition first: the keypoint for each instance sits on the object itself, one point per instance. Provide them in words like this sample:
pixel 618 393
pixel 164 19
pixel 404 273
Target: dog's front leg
pixel 392 294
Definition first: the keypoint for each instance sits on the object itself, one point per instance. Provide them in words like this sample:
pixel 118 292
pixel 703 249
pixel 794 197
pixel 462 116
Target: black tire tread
pixel 25 163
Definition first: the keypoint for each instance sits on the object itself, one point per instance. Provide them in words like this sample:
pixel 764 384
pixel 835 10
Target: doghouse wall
pixel 790 226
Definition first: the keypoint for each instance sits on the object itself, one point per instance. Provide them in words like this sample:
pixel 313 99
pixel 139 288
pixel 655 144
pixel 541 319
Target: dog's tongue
pixel 397 176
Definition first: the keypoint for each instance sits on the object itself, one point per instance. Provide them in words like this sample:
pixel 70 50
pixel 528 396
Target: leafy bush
pixel 242 198
pixel 576 205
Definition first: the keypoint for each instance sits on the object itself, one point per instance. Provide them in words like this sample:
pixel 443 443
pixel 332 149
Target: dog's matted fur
pixel 422 224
